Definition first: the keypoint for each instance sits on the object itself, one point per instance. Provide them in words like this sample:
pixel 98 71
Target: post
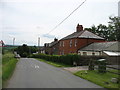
pixel 38 44
pixel 13 41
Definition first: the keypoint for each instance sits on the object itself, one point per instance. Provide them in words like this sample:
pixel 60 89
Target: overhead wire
pixel 67 17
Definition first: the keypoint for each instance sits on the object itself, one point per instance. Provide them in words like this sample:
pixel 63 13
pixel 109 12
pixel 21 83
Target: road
pixel 31 73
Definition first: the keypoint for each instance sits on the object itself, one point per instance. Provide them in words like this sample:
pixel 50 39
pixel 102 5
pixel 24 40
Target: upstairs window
pixel 63 43
pixel 76 43
pixel 60 44
pixel 70 43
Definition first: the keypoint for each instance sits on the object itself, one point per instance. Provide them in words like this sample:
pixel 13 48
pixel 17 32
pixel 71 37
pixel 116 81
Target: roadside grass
pixel 54 63
pixel 102 79
pixel 8 66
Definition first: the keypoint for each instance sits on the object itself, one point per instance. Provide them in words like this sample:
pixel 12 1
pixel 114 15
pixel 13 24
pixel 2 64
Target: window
pixel 75 42
pixel 84 53
pixel 70 43
pixel 63 43
pixel 60 44
pixel 63 52
pixel 93 53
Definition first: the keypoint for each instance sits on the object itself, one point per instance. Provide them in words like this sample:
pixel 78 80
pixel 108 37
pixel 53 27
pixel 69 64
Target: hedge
pixel 67 59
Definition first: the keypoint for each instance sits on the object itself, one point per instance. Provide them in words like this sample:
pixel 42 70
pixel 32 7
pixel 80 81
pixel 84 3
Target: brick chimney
pixel 79 28
pixel 55 39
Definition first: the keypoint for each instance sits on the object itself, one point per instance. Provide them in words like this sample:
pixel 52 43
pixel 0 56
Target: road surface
pixel 31 73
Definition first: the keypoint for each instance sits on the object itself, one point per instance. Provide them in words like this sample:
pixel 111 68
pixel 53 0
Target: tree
pixel 110 32
pixel 23 50
pixel 114 27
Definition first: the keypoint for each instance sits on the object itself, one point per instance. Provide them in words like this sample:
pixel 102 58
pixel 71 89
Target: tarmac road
pixel 31 73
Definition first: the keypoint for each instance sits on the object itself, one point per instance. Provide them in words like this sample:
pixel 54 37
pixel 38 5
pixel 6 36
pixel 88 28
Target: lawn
pixel 8 66
pixel 102 79
pixel 54 63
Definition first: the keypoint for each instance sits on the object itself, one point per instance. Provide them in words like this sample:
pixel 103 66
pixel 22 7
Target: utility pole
pixel 38 44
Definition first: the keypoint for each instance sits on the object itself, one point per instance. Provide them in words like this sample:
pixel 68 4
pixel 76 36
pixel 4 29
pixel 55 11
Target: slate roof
pixel 82 34
pixel 53 43
pixel 98 46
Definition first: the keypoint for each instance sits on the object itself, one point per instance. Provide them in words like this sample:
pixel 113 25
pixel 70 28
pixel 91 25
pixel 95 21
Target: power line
pixel 67 16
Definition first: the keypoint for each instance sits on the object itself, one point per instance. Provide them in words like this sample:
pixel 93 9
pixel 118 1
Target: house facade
pixel 73 42
pixel 52 48
pixel 108 50
pixel 100 49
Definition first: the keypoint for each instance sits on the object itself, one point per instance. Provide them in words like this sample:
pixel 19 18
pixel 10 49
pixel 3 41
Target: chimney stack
pixel 79 28
pixel 55 39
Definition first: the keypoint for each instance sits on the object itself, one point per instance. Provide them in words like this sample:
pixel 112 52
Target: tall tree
pixel 114 27
pixel 110 32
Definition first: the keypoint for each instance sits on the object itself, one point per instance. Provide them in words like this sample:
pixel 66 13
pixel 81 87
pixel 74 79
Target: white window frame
pixel 76 43
pixel 70 43
pixel 63 44
pixel 60 43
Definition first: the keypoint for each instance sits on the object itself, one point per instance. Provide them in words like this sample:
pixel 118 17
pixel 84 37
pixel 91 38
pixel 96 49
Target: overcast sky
pixel 26 20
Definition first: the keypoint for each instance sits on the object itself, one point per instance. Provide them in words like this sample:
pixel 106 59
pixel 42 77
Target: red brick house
pixel 73 42
pixel 52 48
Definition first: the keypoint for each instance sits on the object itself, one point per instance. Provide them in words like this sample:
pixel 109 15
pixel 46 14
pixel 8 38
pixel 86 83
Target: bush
pixel 65 59
pixel 68 59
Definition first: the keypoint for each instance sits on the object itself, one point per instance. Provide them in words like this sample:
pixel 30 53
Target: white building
pixel 119 8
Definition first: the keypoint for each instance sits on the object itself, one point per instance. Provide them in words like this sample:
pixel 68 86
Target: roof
pixel 82 34
pixel 100 46
pixel 109 53
pixel 53 43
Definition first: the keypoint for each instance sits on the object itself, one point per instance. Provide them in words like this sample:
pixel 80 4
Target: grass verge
pixel 8 66
pixel 54 63
pixel 103 80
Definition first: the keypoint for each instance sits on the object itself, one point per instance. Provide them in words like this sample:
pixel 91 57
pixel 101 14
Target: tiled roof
pixel 82 34
pixel 99 46
pixel 53 43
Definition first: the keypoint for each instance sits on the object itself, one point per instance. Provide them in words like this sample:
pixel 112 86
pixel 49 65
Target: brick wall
pixel 72 45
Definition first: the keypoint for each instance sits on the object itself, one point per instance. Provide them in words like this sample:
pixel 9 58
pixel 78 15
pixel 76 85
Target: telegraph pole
pixel 38 44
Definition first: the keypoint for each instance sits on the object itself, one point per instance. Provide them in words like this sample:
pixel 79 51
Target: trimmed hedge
pixel 68 59
pixel 65 59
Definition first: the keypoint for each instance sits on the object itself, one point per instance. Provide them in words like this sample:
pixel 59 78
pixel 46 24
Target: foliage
pixel 102 79
pixel 56 64
pixel 64 59
pixel 8 66
pixel 25 51
pixel 110 32
pixel 91 64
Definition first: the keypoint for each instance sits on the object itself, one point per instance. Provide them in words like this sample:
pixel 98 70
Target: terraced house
pixel 52 48
pixel 73 42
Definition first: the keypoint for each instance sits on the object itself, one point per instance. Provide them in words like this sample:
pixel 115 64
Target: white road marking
pixel 36 66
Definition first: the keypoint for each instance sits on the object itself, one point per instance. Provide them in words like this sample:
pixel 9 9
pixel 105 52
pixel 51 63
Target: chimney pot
pixel 79 28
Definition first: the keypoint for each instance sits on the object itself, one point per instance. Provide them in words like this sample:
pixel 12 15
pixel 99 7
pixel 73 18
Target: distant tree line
pixel 110 32
pixel 25 51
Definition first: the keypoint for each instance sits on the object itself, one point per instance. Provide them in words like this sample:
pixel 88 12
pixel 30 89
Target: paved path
pixel 30 73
